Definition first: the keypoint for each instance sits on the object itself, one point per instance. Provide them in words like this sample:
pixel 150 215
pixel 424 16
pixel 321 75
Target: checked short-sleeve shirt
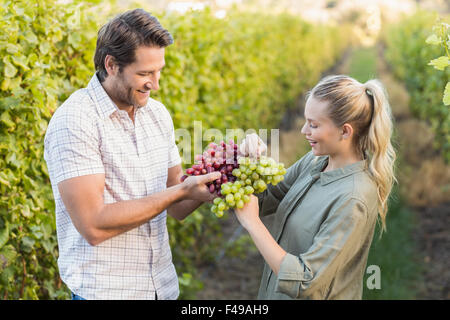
pixel 88 134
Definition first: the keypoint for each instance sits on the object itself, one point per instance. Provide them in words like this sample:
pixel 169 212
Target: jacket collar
pixel 336 174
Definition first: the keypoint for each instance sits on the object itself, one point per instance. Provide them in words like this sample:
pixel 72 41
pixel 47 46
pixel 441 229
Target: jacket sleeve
pixel 337 239
pixel 273 195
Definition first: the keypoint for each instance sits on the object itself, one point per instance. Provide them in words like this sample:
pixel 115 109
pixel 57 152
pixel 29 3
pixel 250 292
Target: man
pixel 115 170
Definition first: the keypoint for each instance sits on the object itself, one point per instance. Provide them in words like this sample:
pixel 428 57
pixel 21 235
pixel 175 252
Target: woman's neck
pixel 337 161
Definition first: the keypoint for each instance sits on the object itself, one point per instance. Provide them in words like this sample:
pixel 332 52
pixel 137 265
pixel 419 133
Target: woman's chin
pixel 316 152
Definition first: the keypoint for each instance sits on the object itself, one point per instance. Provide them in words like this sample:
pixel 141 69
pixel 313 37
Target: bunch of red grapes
pixel 222 157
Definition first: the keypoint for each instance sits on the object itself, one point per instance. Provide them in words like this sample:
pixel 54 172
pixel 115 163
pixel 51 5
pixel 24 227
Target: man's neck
pixel 109 89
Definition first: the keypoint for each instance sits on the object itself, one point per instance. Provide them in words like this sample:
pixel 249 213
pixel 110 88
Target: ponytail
pixel 378 145
pixel 366 107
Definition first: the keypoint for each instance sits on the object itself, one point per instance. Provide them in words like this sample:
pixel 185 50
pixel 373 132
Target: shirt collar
pixel 103 102
pixel 105 105
pixel 336 174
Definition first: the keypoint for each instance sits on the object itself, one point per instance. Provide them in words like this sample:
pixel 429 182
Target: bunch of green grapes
pixel 252 176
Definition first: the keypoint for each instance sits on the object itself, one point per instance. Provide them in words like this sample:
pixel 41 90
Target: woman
pixel 327 206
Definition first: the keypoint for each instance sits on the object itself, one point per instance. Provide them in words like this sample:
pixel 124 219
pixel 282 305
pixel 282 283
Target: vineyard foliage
pixel 409 55
pixel 242 71
pixel 441 37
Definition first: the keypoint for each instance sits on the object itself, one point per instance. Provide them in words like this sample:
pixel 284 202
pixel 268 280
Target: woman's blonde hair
pixel 366 108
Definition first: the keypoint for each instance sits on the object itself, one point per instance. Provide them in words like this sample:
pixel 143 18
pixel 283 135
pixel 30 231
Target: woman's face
pixel 320 131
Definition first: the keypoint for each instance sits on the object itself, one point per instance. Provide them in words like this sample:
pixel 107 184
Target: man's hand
pixel 195 192
pixel 196 189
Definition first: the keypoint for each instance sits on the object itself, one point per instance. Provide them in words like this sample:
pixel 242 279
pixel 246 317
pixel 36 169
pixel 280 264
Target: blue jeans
pixel 76 297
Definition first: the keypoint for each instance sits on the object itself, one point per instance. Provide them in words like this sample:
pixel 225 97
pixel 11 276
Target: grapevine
pixel 441 37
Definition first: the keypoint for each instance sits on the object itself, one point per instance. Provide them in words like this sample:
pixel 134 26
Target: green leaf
pixel 12 160
pixel 185 279
pixel 10 70
pixel 440 63
pixel 433 40
pixel 21 61
pixel 48 245
pixel 446 98
pixel 44 47
pixel 4 179
pixel 7 256
pixel 12 48
pixel 5 84
pixel 26 212
pixel 37 232
pixel 6 119
pixel 74 40
pixel 4 235
pixel 31 37
pixel 27 244
pixel 47 230
pixel 10 102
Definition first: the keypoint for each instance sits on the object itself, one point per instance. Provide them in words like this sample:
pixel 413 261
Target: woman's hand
pixel 249 214
pixel 253 146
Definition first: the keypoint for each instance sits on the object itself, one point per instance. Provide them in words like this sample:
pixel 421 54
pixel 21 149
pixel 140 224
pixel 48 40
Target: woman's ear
pixel 347 131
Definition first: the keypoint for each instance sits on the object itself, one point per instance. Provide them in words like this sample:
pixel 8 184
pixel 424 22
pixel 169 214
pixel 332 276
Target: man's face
pixel 132 86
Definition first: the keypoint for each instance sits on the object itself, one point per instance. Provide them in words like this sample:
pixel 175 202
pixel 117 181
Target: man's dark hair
pixel 121 36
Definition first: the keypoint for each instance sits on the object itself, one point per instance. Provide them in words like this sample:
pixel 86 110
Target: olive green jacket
pixel 325 222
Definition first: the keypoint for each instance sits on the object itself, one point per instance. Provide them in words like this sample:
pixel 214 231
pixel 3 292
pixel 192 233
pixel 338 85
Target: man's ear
pixel 111 66
pixel 347 131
